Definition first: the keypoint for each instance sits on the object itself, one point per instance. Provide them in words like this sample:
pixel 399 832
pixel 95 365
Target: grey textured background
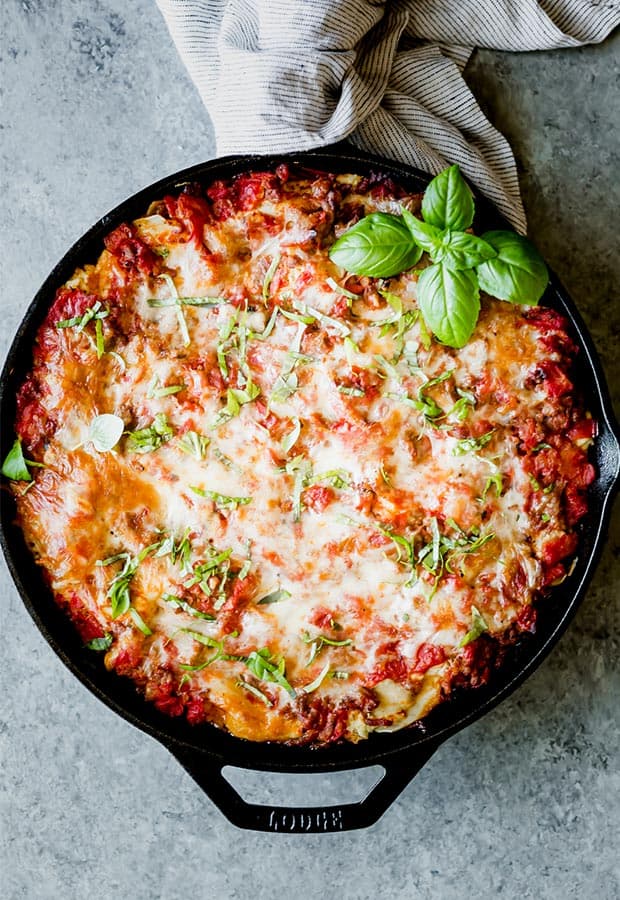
pixel 95 105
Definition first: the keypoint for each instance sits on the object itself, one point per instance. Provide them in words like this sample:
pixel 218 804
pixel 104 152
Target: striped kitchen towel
pixel 286 75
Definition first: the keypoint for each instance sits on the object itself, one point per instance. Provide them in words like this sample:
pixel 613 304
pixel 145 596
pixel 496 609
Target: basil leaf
pixel 459 250
pixel 426 236
pixel 448 202
pixel 379 246
pixel 14 466
pixel 450 303
pixel 517 274
pixel 100 643
pixel 105 432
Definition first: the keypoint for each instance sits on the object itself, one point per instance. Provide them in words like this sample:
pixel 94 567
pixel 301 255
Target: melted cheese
pixel 372 476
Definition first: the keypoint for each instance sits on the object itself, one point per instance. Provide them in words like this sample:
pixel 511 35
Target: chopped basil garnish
pixel 140 623
pixel 178 603
pixel 289 440
pixel 402 320
pixel 495 481
pixel 271 271
pixel 221 501
pixel 14 465
pixel 235 399
pixel 318 641
pixel 350 391
pixel 155 390
pixel 145 440
pixel 175 301
pixel 287 381
pixel 350 348
pixel 338 478
pixel 254 691
pixel 99 339
pixel 463 405
pixel 469 445
pixel 187 301
pixel 405 553
pixel 306 319
pixel 105 432
pixel 284 387
pixel 194 444
pixel 247 565
pixel 501 263
pixel 442 552
pixel 274 597
pixel 212 575
pixel 308 688
pixel 264 666
pixel 301 469
pixel 214 644
pixel 96 312
pixel 341 290
pixel 328 321
pixel 118 592
pixel 478 627
pixel 424 404
pixel 179 551
pixel 119 359
pixel 100 643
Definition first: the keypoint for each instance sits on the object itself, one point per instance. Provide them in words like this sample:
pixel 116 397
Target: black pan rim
pixel 215 743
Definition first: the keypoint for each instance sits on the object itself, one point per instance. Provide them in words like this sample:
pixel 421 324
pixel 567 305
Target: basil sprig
pixel 502 263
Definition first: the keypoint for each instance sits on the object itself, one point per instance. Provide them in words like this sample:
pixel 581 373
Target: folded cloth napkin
pixel 286 75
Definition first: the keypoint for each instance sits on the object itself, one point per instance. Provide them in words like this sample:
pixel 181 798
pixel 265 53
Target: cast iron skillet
pixel 204 750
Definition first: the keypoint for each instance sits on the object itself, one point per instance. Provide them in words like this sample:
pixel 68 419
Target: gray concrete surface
pixel 95 104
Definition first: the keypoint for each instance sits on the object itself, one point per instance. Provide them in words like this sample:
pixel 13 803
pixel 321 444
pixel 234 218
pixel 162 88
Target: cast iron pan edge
pixel 205 750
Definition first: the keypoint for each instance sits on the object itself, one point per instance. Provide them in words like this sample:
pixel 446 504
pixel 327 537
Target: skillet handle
pixel 398 772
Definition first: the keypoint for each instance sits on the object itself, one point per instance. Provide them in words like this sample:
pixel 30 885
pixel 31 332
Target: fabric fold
pixel 286 75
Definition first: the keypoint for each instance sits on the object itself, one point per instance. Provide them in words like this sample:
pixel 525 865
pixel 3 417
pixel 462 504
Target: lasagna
pixel 266 493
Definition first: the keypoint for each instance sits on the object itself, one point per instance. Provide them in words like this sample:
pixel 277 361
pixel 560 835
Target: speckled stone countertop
pixel 95 104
